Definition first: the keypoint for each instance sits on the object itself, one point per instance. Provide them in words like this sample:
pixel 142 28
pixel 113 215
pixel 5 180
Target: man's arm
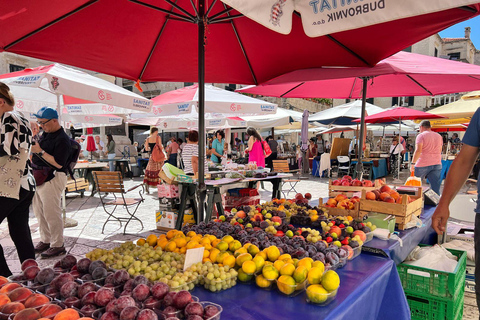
pixel 417 153
pixel 456 177
pixel 47 157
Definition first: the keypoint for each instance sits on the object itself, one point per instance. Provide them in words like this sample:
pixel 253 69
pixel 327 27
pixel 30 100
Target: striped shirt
pixel 16 134
pixel 190 150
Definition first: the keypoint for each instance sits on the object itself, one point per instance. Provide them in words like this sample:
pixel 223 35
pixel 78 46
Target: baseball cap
pixel 47 113
pixel 83 137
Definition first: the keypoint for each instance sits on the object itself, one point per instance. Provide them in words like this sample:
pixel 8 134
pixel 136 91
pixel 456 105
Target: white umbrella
pixel 281 118
pixel 344 114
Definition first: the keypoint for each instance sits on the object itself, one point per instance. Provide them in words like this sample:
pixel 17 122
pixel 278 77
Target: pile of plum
pixel 108 295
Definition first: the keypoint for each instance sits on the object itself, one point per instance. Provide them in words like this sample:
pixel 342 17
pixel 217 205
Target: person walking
pixel 50 159
pixel 396 150
pixel 427 159
pixel 153 167
pixel 172 151
pixel 110 152
pixel 15 138
pixel 458 174
pixel 311 152
pixel 273 156
pixel 218 147
pixel 255 148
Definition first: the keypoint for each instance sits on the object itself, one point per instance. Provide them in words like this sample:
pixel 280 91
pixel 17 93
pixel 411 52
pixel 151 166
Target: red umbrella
pixel 153 40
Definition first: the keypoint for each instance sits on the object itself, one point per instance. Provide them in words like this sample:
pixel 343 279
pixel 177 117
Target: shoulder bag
pixel 11 172
pixel 157 152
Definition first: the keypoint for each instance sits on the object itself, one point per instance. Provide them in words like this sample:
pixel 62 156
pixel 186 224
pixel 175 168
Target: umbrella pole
pixel 201 109
pixel 399 140
pixel 359 167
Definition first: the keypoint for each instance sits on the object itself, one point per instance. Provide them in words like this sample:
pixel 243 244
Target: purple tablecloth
pixel 370 288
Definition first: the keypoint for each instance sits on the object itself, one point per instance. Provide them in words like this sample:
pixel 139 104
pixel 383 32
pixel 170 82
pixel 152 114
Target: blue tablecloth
pixel 410 238
pixel 370 288
pixel 445 167
pixel 380 171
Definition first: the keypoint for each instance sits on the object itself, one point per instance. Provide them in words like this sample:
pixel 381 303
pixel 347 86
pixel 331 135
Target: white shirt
pixel 100 144
pixel 399 148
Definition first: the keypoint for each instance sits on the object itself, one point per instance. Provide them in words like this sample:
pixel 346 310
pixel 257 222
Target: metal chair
pixel 282 166
pixel 343 165
pixel 112 183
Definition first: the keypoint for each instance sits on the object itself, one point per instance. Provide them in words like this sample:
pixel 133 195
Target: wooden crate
pixel 77 185
pixel 354 213
pixel 402 210
pixel 349 191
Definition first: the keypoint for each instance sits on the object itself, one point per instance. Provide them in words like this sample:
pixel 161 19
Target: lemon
pixel 229 261
pixel 286 284
pixel 234 245
pixel 213 254
pixel 316 293
pixel 315 275
pixel 269 272
pixel 317 263
pixel 141 242
pixel 152 240
pixel 228 239
pixel 249 267
pixel 285 257
pixel 300 274
pixel 242 276
pixel 259 263
pixel 222 246
pixel 262 282
pixel 253 249
pixel 278 264
pixel 273 253
pixel 306 262
pixel 287 269
pixel 242 258
pixel 221 256
pixel 239 252
pixel 263 254
pixel 330 281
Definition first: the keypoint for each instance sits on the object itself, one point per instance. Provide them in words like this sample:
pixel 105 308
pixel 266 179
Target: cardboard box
pixel 168 191
pixel 166 220
pixel 169 202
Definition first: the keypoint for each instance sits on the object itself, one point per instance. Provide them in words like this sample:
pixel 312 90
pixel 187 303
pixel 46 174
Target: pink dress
pixel 257 155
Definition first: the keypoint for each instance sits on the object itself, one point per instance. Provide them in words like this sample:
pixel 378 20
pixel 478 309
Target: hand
pixel 36 148
pixel 439 218
pixel 412 167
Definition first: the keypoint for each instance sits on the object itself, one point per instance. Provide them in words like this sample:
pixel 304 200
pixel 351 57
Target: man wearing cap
pixel 50 158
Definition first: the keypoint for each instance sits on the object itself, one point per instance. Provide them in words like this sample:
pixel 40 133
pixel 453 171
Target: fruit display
pixel 341 201
pixel 386 194
pixel 348 181
pixel 322 289
pixel 218 278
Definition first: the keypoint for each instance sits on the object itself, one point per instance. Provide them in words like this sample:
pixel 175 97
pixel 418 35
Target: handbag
pixel 11 172
pixel 157 153
pixel 266 149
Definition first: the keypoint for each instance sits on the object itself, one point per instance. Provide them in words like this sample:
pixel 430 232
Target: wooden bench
pixel 78 185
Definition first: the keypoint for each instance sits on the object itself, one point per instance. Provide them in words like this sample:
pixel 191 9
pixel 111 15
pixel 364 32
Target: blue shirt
pixel 217 146
pixel 472 138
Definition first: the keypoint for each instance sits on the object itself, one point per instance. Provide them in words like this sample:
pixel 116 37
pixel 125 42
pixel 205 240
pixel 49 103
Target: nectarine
pixel 50 309
pixel 67 314
pixel 7 288
pixel 384 188
pixel 36 300
pixel 395 195
pixel 361 234
pixel 27 314
pixel 3 280
pixel 370 195
pixel 4 299
pixel 20 294
pixel 384 195
pixel 12 307
pixel 389 200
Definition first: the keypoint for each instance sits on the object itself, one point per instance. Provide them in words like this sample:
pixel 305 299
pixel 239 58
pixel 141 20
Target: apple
pixel 367 183
pixel 356 183
pixel 308 196
pixel 346 183
pixel 298 196
pixel 337 183
pixel 347 178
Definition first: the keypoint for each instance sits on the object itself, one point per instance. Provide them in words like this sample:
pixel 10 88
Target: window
pixel 130 88
pixel 408 49
pixel 187 84
pixel 15 68
pixel 370 100
pixel 436 52
pixel 454 56
pixel 231 87
pixel 395 101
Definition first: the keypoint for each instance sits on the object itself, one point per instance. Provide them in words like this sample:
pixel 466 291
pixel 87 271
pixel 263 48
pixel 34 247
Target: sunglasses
pixel 44 122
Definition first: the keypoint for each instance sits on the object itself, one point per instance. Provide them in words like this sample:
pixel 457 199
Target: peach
pixel 377 194
pixel 336 229
pixel 370 195
pixel 4 299
pixel 36 300
pixel 341 197
pixel 67 314
pixel 389 200
pixel 12 307
pixel 384 195
pixel 385 188
pixel 361 234
pixel 9 287
pixel 85 318
pixel 241 214
pixel 20 294
pixel 395 195
pixel 399 201
pixel 3 280
pixel 27 314
pixel 332 202
pixel 50 309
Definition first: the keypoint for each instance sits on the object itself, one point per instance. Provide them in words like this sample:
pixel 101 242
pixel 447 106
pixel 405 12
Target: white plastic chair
pixel 343 165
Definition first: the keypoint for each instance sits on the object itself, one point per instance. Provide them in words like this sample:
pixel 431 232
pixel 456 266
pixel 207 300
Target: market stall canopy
pixel 282 117
pixel 403 74
pixel 41 86
pixel 344 114
pixel 465 107
pixel 217 100
pixel 399 114
pixel 154 41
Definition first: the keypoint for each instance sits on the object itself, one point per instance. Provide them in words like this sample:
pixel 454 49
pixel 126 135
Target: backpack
pixel 73 158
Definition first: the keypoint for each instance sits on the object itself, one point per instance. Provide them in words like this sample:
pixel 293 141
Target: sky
pixel 458 31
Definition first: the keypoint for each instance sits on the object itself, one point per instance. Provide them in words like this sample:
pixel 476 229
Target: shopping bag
pixel 157 152
pixel 266 148
pixel 413 181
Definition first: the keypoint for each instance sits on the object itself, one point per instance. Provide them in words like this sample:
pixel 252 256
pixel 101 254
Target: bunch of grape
pixel 313 235
pixel 216 278
pixel 271 229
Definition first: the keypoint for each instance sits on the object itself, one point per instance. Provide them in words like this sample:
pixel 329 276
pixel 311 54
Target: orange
pixel 171 234
pixel 141 242
pixel 152 240
pixel 171 246
pixel 180 242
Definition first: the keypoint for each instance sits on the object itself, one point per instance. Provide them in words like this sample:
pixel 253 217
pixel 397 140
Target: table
pixel 370 288
pixel 122 165
pixel 411 238
pixel 87 169
pixel 378 172
pixel 445 167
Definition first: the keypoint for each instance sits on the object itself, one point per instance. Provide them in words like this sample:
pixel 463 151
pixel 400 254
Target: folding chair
pixel 112 182
pixel 343 165
pixel 282 166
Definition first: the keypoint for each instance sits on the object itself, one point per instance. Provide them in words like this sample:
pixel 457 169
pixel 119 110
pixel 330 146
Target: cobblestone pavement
pixel 89 214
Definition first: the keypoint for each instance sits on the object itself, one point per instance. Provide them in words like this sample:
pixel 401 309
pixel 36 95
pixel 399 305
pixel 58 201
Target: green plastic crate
pixel 422 308
pixel 433 283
